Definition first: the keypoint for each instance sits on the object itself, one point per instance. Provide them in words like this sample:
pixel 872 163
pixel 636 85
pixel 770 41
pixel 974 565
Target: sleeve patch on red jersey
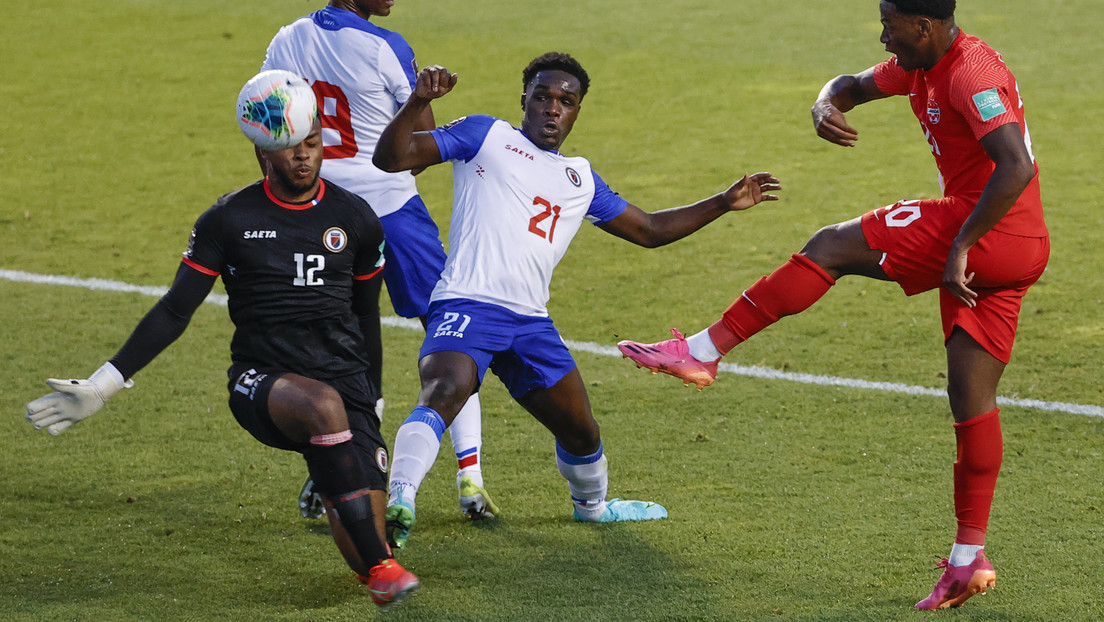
pixel 988 104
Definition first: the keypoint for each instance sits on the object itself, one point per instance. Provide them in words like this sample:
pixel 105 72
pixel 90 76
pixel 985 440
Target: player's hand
pixel 433 82
pixel 955 279
pixel 751 189
pixel 832 126
pixel 73 400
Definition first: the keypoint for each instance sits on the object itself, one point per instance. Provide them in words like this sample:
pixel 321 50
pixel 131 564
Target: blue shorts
pixel 525 352
pixel 415 257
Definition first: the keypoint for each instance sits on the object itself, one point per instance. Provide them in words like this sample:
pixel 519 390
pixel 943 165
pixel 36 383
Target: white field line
pixel 594 348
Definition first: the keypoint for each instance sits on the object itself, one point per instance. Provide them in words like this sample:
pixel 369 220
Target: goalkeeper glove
pixel 74 399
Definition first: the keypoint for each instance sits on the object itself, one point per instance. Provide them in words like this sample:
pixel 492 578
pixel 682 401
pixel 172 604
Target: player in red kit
pixel 982 244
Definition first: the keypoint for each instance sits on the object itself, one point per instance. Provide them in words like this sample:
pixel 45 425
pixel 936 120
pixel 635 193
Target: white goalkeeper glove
pixel 74 399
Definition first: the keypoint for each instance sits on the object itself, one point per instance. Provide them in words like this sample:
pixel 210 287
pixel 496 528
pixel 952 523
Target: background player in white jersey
pixel 518 202
pixel 362 74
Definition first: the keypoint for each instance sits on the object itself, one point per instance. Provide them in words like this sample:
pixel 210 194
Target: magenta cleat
pixel 671 357
pixel 959 583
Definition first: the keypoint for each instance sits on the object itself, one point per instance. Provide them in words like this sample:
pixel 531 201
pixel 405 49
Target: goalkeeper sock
pixel 790 289
pixel 339 472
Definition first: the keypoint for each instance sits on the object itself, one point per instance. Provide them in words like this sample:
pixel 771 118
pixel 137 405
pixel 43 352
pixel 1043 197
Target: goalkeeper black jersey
pixel 289 271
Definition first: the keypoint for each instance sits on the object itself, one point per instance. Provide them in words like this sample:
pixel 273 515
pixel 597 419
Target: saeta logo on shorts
pixel 448 326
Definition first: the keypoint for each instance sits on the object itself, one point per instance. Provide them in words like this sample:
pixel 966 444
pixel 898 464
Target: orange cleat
pixel 390 583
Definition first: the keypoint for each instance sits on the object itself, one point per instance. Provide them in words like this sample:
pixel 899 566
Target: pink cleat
pixel 959 583
pixel 671 357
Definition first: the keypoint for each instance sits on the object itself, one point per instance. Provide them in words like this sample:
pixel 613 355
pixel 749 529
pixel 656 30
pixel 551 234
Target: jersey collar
pixel 297 206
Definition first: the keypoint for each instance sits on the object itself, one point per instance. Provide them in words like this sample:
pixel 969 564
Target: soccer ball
pixel 276 109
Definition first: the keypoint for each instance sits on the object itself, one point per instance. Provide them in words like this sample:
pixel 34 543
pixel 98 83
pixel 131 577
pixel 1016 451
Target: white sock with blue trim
pixel 416 445
pixel 588 479
pixel 466 433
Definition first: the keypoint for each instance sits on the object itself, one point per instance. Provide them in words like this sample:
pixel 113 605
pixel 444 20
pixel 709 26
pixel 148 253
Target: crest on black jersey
pixel 335 239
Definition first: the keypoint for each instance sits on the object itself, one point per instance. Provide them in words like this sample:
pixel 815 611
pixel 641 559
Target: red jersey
pixel 969 93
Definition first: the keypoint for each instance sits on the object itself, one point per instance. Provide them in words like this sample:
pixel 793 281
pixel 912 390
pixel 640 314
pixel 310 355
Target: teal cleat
pixel 620 510
pixel 400 519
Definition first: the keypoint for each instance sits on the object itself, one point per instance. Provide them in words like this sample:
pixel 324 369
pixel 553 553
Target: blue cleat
pixel 620 510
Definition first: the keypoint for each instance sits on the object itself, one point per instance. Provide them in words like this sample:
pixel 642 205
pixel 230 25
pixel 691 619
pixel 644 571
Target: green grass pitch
pixel 788 501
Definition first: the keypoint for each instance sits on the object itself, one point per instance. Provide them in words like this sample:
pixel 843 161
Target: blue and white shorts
pixel 415 257
pixel 525 352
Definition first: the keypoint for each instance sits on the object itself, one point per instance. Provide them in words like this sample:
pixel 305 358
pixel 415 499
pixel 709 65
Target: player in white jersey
pixel 517 203
pixel 361 75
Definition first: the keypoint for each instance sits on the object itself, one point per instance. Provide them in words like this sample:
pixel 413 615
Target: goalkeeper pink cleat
pixel 671 357
pixel 959 583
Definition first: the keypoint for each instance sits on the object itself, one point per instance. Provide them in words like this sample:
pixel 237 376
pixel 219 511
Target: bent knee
pixel 842 249
pixel 303 407
pixel 326 409
pixel 444 396
pixel 580 439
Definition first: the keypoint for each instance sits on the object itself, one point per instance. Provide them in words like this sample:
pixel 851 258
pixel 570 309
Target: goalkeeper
pixel 301 261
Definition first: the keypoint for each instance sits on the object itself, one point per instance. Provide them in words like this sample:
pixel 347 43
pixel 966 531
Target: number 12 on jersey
pixel 307 268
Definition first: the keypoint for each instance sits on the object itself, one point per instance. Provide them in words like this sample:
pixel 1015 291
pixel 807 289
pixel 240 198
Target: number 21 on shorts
pixel 449 326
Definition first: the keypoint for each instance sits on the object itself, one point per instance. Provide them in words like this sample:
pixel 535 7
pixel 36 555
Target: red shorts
pixel 916 237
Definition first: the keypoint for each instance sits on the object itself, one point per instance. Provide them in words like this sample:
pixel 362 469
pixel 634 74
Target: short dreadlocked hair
pixel 553 61
pixel 935 9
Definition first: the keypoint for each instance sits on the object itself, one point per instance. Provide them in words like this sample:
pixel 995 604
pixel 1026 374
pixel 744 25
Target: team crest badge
pixel 573 177
pixel 335 239
pixel 933 112
pixel 381 458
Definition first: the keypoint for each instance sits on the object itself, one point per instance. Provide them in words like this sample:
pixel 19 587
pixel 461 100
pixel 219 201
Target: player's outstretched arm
pixel 74 399
pixel 402 147
pixel 838 96
pixel 665 226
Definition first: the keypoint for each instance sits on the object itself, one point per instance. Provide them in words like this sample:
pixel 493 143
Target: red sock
pixel 980 449
pixel 790 289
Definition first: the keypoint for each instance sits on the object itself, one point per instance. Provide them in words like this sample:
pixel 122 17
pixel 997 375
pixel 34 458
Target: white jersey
pixel 515 210
pixel 361 75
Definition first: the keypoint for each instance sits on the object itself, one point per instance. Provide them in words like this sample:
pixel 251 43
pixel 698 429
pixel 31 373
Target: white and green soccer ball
pixel 276 109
